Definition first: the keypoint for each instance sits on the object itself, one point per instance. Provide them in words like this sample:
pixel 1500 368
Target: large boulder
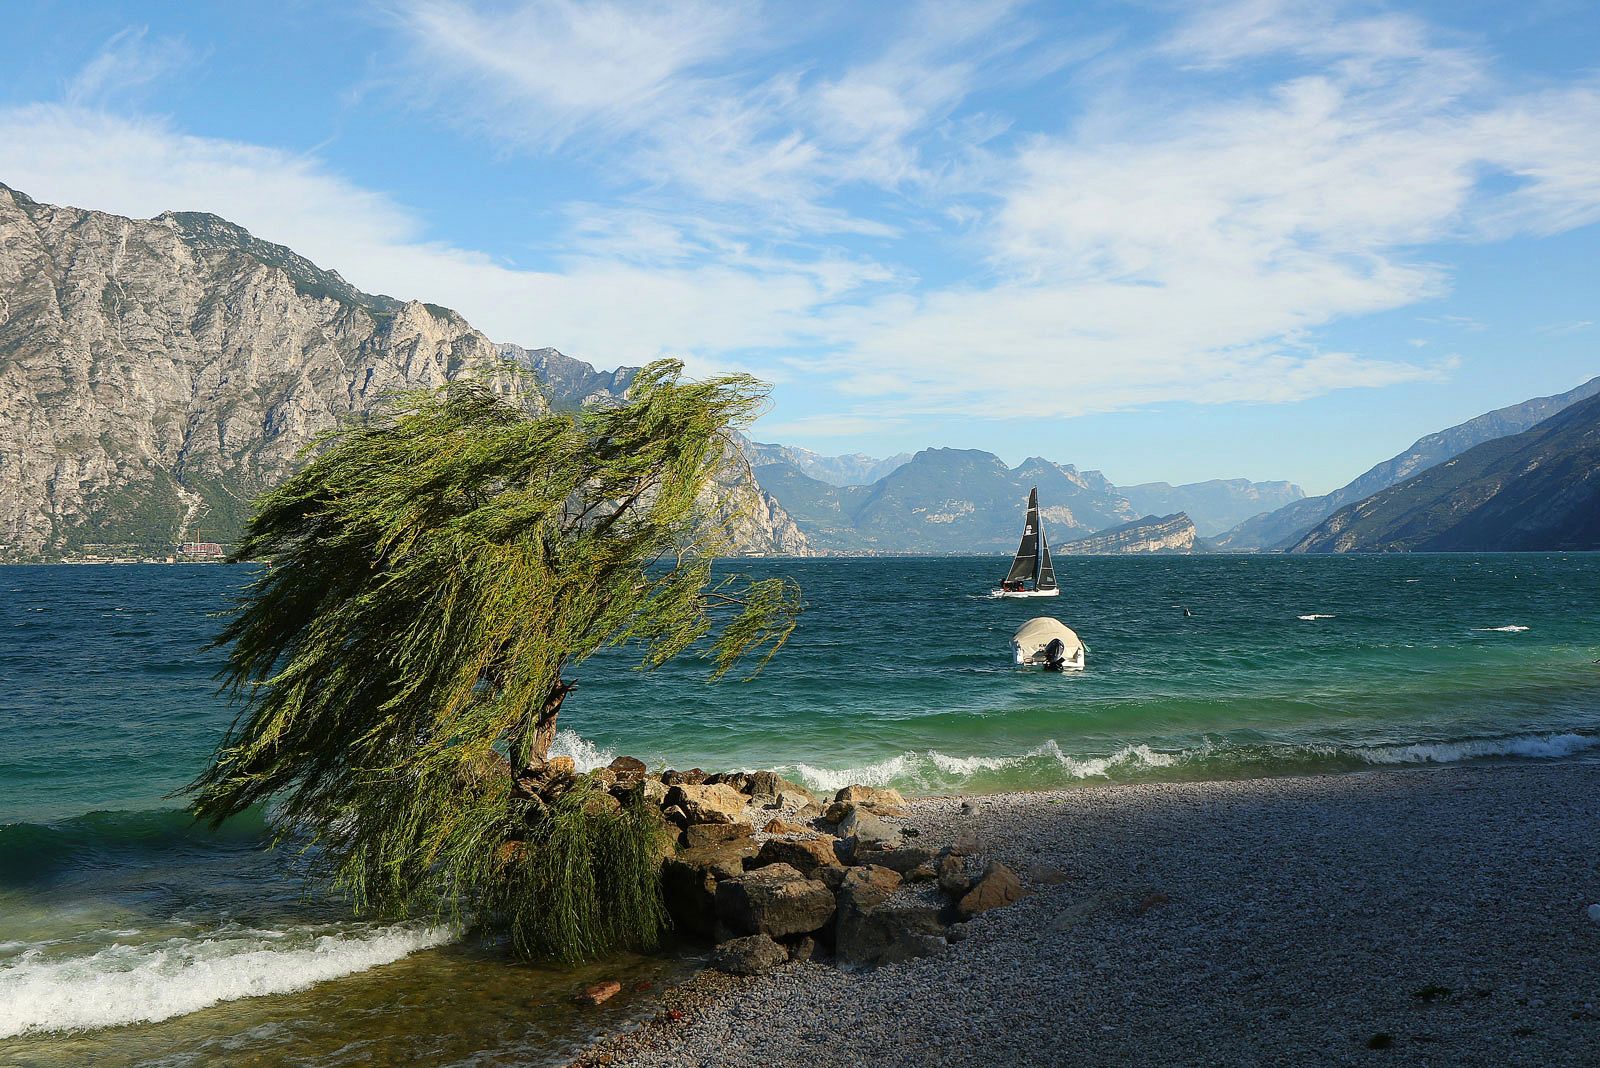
pixel 867 795
pixel 628 770
pixel 711 803
pixel 689 882
pixel 862 832
pixel 776 900
pixel 805 855
pixel 699 835
pixel 902 858
pixel 792 800
pixel 765 782
pixel 951 870
pixel 873 927
pixel 997 886
pixel 866 888
pixel 754 955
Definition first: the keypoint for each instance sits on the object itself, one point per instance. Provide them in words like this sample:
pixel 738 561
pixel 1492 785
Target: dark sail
pixel 1047 570
pixel 1026 563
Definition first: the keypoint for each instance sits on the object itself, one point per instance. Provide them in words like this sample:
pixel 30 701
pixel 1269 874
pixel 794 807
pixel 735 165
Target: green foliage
pixel 586 879
pixel 435 570
pixel 139 517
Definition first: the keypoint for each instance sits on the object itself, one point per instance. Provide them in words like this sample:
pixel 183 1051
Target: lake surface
pixel 129 936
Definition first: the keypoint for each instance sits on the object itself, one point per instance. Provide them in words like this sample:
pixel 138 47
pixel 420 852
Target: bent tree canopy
pixel 434 573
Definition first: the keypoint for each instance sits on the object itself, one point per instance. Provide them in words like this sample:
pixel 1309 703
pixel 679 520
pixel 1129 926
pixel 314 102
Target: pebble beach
pixel 1432 916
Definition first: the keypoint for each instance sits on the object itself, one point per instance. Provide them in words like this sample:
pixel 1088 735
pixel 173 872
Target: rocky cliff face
pixel 1152 534
pixel 156 374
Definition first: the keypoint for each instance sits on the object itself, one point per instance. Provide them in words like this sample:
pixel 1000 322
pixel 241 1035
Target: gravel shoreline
pixel 1420 916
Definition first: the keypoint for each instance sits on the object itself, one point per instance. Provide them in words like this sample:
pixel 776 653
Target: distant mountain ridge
pixel 944 501
pixel 156 374
pixel 1283 528
pixel 852 469
pixel 1534 491
pixel 1216 505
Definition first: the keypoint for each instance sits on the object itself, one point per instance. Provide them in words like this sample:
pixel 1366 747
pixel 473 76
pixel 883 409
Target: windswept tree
pixel 436 572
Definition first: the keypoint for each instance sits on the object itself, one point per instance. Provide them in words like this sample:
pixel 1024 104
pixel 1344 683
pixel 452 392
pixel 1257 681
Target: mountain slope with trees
pixel 1537 490
pixel 1286 526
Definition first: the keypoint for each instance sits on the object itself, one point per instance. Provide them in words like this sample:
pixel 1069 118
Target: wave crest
pixel 124 984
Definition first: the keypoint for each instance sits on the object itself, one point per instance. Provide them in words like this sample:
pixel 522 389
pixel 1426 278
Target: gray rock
pixel 776 900
pixel 902 858
pixel 952 873
pixel 753 955
pixel 805 855
pixel 699 835
pixel 891 930
pixel 689 882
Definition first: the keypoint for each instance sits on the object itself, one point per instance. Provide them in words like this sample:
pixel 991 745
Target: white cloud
pixel 125 64
pixel 1184 238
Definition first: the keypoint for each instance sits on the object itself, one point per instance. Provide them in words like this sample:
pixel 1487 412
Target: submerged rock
pixel 599 992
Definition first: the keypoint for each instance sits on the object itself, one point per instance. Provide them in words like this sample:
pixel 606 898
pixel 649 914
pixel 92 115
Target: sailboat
pixel 1032 563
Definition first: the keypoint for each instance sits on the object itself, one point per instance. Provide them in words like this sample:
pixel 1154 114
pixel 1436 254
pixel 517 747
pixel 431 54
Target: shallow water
pixel 130 936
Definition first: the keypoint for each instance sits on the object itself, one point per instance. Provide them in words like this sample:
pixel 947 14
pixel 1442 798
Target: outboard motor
pixel 1055 655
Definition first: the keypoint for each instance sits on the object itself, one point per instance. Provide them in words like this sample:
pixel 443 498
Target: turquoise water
pixel 128 936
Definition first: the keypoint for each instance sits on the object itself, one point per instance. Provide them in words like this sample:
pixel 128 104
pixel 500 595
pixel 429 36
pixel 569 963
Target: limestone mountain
pixel 1153 534
pixel 945 501
pixel 1215 505
pixel 1283 528
pixel 156 374
pixel 1534 491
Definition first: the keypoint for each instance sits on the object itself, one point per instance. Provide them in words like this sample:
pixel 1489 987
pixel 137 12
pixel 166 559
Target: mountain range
pixel 1283 528
pixel 156 374
pixel 1534 491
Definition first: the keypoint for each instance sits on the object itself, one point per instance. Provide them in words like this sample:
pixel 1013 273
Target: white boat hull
pixel 1026 593
pixel 1031 645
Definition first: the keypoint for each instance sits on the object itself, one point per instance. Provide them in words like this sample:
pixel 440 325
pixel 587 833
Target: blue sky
pixel 1259 239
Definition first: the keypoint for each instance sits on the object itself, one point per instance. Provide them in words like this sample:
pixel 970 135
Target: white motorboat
pixel 1048 643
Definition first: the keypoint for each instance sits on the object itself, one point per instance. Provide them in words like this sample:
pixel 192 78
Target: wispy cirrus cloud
pixel 126 64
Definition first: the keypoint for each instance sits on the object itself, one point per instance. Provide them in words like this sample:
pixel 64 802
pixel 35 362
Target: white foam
pixel 586 756
pixel 123 984
pixel 1512 629
pixel 1318 615
pixel 909 769
pixel 901 768
pixel 1545 746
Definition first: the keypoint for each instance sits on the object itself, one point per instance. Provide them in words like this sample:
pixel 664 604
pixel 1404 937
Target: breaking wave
pixel 1512 629
pixel 1317 615
pixel 1047 765
pixel 586 756
pixel 122 984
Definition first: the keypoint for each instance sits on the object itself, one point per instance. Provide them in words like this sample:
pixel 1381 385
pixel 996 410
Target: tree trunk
pixel 544 727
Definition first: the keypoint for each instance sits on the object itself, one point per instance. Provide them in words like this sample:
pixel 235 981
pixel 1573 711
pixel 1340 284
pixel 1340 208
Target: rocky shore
pixel 1418 916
